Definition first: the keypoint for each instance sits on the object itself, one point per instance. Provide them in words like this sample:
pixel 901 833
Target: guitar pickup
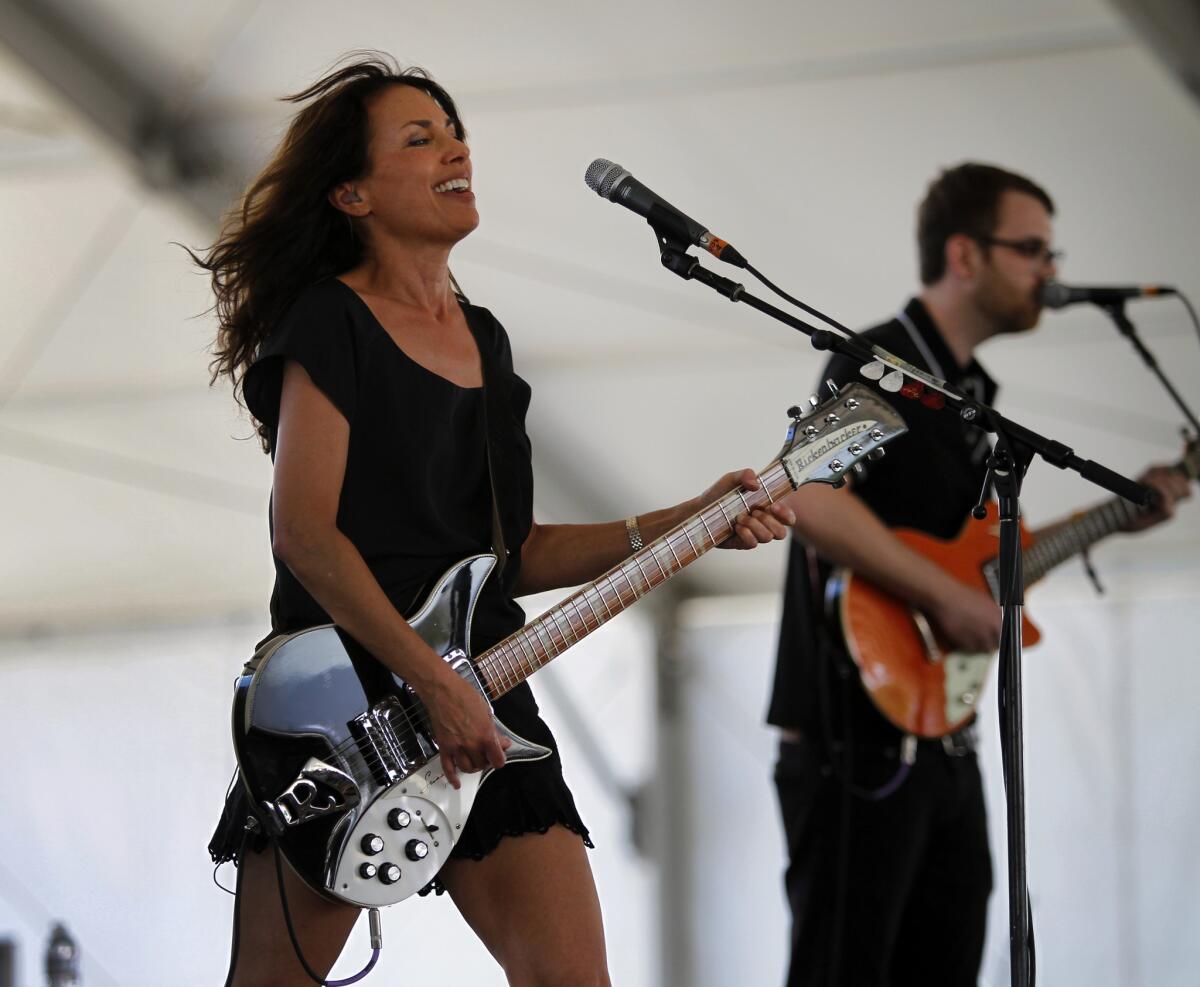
pixel 318 790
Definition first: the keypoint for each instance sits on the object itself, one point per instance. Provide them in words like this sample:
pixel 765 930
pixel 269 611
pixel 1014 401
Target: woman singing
pixel 380 393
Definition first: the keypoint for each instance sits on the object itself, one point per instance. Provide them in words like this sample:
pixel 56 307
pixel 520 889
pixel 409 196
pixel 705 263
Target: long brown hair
pixel 285 234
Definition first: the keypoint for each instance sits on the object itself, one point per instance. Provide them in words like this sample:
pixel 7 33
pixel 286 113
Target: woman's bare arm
pixel 560 555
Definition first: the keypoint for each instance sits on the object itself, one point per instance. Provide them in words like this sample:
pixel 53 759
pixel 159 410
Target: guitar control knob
pixel 416 850
pixel 389 873
pixel 398 818
pixel 372 844
pixel 368 871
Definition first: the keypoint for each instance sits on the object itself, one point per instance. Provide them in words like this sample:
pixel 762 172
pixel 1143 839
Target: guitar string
pixel 415 724
pixel 559 613
pixel 411 721
pixel 408 727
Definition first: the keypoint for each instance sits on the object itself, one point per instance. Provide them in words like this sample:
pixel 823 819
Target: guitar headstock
pixel 825 443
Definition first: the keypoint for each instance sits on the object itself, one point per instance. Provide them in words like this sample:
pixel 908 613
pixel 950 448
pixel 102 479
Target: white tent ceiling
pixel 802 132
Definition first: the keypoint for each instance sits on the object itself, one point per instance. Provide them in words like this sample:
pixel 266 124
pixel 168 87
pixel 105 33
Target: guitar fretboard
pixel 1080 533
pixel 1076 536
pixel 517 657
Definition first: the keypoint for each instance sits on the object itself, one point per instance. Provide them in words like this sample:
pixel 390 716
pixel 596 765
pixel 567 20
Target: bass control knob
pixel 398 818
pixel 389 873
pixel 372 844
pixel 416 850
pixel 368 871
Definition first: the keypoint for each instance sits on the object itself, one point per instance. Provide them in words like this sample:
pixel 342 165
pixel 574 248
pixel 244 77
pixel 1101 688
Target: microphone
pixel 1057 295
pixel 611 181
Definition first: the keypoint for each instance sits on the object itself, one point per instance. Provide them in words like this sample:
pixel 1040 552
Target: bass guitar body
pixel 339 761
pixel 909 673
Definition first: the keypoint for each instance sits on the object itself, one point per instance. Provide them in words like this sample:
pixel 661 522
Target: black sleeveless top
pixel 416 496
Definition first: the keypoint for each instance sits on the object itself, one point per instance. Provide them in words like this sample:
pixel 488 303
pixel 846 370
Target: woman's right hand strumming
pixel 463 727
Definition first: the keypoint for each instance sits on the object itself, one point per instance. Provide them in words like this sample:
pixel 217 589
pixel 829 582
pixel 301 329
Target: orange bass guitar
pixel 911 676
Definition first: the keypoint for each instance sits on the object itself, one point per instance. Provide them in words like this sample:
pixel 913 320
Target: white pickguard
pixel 436 813
pixel 965 675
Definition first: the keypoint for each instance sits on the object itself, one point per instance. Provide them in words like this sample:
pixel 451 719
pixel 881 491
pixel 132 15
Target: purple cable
pixel 896 781
pixel 358 976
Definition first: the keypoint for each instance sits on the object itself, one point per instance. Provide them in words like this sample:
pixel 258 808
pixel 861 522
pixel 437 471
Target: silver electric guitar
pixel 337 754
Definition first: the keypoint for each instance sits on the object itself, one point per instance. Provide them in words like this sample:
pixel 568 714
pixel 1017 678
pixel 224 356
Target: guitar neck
pixel 1076 536
pixel 1081 532
pixel 514 659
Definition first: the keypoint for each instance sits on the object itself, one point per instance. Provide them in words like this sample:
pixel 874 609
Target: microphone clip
pixel 673 242
pixel 678 261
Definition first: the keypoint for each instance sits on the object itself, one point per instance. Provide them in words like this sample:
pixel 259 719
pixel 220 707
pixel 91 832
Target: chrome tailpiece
pixel 318 790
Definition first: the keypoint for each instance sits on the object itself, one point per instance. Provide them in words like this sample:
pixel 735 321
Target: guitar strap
pixel 495 395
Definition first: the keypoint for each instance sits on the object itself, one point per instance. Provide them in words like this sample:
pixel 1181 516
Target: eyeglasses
pixel 1033 248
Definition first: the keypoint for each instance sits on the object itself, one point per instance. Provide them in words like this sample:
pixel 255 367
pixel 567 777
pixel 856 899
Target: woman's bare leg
pixel 264 954
pixel 532 901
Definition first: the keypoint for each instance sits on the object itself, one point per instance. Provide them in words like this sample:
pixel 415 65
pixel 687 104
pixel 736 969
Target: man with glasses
pixel 889 869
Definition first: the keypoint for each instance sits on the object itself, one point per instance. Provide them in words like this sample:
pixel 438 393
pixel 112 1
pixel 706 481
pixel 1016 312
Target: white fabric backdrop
pixel 120 755
pixel 1112 793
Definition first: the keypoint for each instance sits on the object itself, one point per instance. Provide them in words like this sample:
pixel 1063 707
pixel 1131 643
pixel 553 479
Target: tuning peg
pixel 795 412
pixel 858 469
pixel 877 453
pixel 838 484
pixel 833 389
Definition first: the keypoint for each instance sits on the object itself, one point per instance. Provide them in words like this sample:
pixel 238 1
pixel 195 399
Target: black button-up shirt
pixel 929 480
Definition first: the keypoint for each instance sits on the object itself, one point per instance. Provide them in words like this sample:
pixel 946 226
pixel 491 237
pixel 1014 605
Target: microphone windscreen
pixel 1055 294
pixel 602 176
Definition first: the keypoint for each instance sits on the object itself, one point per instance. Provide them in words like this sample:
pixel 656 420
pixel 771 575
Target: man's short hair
pixel 965 199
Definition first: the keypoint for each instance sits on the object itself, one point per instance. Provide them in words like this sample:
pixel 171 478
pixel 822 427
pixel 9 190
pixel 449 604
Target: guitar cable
pixel 843 762
pixel 376 934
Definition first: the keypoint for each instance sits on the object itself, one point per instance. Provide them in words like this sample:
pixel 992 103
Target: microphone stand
pixel 1014 450
pixel 1007 466
pixel 1116 311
